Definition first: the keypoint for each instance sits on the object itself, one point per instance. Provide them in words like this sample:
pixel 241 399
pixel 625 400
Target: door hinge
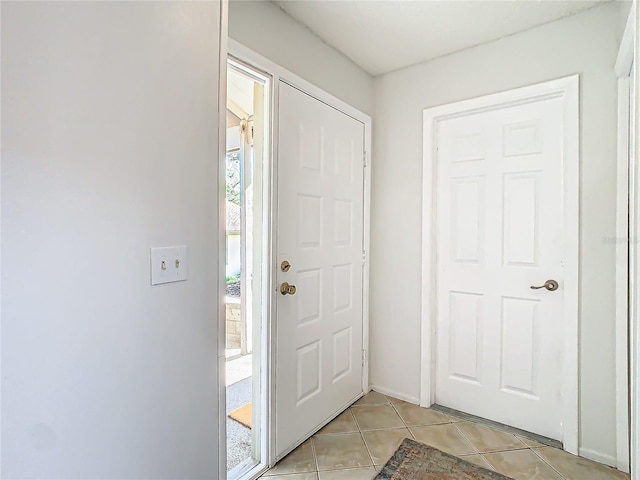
pixel 364 258
pixel 364 357
pixel 364 159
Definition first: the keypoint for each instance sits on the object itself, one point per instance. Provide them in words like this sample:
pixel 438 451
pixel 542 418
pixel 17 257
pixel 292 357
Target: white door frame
pixel 260 349
pixel 278 73
pixel 635 330
pixel 626 224
pixel 568 89
pixel 222 230
pixel 627 257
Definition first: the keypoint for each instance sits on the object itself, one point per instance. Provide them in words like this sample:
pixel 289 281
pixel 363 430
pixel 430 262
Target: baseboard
pixel 623 467
pixel 598 457
pixel 398 395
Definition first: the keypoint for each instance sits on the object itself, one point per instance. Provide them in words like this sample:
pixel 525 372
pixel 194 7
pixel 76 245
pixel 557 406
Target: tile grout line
pixel 524 445
pixel 371 405
pixel 510 450
pixel 402 419
pixel 545 461
pixel 487 462
pixel 388 402
pixel 365 443
pixel 336 434
pixel 377 430
pixel 450 420
pixel 373 463
pixel 355 419
pixel 315 457
pixel 504 428
pixel 467 439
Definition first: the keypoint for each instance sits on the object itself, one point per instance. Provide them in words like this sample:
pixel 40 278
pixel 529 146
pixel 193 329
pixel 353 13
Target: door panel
pixel 320 232
pixel 499 229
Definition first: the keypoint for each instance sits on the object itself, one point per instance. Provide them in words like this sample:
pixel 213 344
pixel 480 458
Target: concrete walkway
pixel 239 393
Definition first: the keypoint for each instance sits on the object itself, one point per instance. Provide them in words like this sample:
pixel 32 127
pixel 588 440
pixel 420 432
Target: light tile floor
pixel 359 442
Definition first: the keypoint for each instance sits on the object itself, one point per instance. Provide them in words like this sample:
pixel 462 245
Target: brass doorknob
pixel 286 289
pixel 550 285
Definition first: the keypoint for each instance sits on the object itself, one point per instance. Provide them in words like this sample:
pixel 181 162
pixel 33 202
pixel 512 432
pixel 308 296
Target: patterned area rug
pixel 416 461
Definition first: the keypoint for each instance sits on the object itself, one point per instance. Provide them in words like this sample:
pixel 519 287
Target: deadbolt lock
pixel 286 289
pixel 285 266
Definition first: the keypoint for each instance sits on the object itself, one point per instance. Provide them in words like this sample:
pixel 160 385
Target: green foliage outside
pixel 234 278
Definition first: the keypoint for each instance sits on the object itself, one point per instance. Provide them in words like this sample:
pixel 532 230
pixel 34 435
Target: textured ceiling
pixel 385 35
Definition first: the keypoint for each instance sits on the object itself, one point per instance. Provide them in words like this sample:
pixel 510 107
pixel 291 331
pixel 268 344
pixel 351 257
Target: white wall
pixel 268 30
pixel 585 44
pixel 109 147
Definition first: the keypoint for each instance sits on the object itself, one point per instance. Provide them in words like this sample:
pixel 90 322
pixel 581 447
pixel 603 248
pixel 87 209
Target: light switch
pixel 168 264
pixel 180 262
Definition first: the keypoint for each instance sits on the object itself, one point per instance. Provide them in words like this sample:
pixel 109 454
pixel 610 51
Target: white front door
pixel 320 233
pixel 500 231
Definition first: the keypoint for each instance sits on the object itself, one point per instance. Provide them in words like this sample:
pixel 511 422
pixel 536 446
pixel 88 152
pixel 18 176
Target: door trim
pixel 277 73
pixel 568 89
pixel 625 173
pixel 635 330
pixel 627 298
pixel 222 227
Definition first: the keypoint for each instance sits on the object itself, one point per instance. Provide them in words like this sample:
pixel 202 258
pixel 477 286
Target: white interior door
pixel 500 231
pixel 320 233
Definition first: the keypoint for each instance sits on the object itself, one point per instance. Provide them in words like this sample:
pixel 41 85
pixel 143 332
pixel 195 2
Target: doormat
pixel 417 461
pixel 242 415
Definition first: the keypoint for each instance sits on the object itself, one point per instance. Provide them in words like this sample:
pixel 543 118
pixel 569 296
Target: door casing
pixel 277 73
pixel 626 254
pixel 568 89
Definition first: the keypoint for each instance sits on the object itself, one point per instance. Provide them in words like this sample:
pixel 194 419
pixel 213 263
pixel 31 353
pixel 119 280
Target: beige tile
pixel 573 467
pixel 454 419
pixel 299 461
pixel 343 423
pixel 383 443
pixel 487 439
pixel 413 415
pixel 522 465
pixel 346 450
pixel 394 400
pixel 295 476
pixel 477 460
pixel 372 398
pixel 372 417
pixel 366 473
pixel 444 437
pixel 530 443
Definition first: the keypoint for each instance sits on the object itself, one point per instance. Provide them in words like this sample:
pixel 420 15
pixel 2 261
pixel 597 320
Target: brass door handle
pixel 286 289
pixel 550 285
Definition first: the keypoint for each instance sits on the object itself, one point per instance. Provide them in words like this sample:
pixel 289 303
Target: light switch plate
pixel 168 264
pixel 181 257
